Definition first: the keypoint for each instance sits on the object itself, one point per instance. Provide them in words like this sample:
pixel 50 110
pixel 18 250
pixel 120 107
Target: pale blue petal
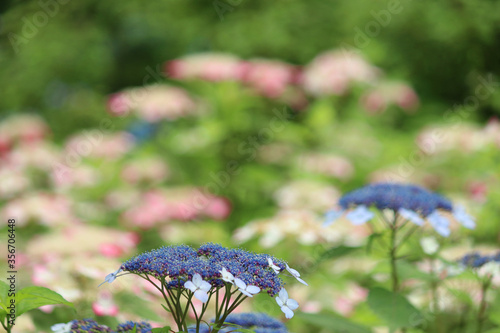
pixel 463 218
pixel 201 295
pixel 360 215
pixel 411 216
pixel 331 216
pixel 439 223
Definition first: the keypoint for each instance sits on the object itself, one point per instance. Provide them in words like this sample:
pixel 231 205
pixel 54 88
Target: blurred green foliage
pixel 62 58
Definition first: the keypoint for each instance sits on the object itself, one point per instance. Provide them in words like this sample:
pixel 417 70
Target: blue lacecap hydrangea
pixel 91 326
pixel 258 322
pixel 476 260
pixel 412 202
pixel 180 263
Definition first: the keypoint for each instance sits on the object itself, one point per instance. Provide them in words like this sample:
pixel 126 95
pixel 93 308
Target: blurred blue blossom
pixel 476 260
pixel 258 322
pixel 411 202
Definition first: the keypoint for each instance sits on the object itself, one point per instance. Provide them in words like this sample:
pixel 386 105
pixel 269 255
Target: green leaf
pixel 393 308
pixel 4 291
pixel 165 329
pixel 336 252
pixel 30 298
pixel 133 304
pixel 165 308
pixel 330 320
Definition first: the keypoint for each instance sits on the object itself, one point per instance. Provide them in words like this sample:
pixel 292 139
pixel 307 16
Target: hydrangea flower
pixel 246 289
pixel 198 287
pixel 411 202
pixel 141 327
pixel 183 271
pixel 180 263
pixel 258 322
pixel 111 276
pixel 476 260
pixel 91 326
pixel 286 304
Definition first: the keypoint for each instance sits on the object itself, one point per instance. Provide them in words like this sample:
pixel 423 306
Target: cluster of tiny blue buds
pixel 91 326
pixel 257 322
pixel 476 260
pixel 180 263
pixel 396 196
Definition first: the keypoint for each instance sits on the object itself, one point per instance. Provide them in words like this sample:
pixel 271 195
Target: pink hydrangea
pixel 333 72
pixel 206 66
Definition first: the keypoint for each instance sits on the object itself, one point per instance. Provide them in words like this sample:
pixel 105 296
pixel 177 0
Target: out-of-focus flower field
pixel 129 126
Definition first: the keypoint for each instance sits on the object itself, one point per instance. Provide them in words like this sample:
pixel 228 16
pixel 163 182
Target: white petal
pixel 201 295
pixel 283 295
pixel 429 244
pixel 190 285
pixel 205 286
pixel 279 301
pixel 197 280
pixel 245 292
pixel 60 327
pixel 463 218
pixel 439 223
pixel 253 289
pixel 292 304
pixel 360 215
pixel 287 311
pixel 331 216
pixel 411 216
pixel 301 281
pixel 292 271
pixel 240 284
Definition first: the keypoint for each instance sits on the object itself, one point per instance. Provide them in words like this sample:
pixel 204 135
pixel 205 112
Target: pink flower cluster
pixel 377 99
pixel 21 129
pixel 159 206
pixel 330 73
pixel 153 103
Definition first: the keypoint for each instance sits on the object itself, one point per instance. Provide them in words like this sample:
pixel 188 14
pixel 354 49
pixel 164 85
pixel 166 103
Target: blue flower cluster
pixel 411 202
pixel 476 260
pixel 258 322
pixel 180 263
pixel 395 197
pixel 91 326
pixel 141 327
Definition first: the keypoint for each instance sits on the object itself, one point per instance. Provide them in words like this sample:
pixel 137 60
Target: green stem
pixel 228 310
pixel 8 327
pixel 146 277
pixel 482 305
pixel 392 254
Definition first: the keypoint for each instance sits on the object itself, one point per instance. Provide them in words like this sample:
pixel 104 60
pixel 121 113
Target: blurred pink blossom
pixel 97 144
pixel 145 170
pixel 333 72
pixel 206 66
pixel 379 98
pixel 40 207
pixel 184 204
pixel 327 164
pixel 105 306
pixel 478 191
pixel 26 128
pixel 153 103
pixel 269 77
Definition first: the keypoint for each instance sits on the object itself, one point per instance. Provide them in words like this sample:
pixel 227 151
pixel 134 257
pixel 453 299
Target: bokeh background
pixel 128 125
